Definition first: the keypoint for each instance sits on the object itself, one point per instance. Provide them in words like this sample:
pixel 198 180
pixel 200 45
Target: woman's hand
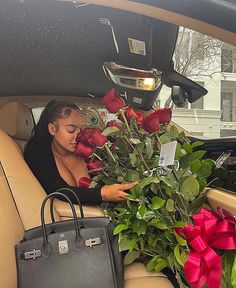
pixel 115 192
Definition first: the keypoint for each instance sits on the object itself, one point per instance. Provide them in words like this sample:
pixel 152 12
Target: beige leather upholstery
pixel 219 198
pixel 12 232
pixel 26 190
pixel 65 212
pixel 17 121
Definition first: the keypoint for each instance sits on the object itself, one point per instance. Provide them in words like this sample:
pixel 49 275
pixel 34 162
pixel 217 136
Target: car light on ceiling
pixel 147 80
pixel 149 83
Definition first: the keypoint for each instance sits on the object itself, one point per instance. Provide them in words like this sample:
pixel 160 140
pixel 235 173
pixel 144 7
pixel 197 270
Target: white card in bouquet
pixel 167 155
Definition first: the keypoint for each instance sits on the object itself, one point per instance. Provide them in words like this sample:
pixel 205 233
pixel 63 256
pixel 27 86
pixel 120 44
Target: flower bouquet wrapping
pixel 165 221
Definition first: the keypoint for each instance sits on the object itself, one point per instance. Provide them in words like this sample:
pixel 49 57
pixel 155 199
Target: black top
pixel 40 159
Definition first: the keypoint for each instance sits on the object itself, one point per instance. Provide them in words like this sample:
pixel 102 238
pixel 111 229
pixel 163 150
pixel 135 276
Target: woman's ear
pixel 51 129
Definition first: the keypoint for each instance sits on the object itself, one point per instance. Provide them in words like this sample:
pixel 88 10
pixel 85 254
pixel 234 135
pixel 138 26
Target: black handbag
pixel 78 253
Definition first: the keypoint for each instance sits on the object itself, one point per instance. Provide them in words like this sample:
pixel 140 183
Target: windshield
pixel 212 64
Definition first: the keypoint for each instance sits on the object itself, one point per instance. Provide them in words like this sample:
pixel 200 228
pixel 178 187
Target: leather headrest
pixel 16 120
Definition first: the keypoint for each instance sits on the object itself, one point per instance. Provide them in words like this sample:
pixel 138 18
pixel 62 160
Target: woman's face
pixel 65 130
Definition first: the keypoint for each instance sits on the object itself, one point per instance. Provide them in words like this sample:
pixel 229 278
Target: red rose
pixel 151 123
pixel 84 182
pixel 91 136
pixel 164 115
pixel 97 139
pixel 130 113
pixel 84 134
pixel 112 101
pixel 113 123
pixel 94 164
pixel 84 150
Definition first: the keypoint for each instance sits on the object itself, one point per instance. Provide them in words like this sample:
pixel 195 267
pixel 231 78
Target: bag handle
pixel 77 199
pixel 77 228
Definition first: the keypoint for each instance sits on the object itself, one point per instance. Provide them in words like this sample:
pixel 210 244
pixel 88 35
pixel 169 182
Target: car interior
pixel 67 50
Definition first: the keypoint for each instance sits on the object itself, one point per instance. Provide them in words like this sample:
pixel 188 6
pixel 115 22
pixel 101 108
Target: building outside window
pixel 227 106
pixel 212 64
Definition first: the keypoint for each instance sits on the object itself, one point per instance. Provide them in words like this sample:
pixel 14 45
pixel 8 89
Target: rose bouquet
pixel 161 223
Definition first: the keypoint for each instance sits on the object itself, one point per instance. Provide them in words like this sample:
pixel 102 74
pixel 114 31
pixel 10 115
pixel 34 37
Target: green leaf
pixel 160 264
pixel 233 274
pixel 229 270
pixel 149 148
pixel 165 138
pixel 170 205
pixel 132 175
pixel 190 188
pixel 199 154
pixel 170 236
pixel 154 188
pixel 178 152
pixel 197 144
pixel 195 166
pixel 151 264
pixel 133 159
pixel 157 202
pixel 141 210
pixel 139 226
pixel 110 130
pixel 122 146
pixel 187 159
pixel 119 228
pixel 173 132
pixel 131 256
pixel 146 181
pixel 123 243
pixel 197 203
pixel 178 255
pixel 206 167
pixel 140 147
pixel 132 244
pixel 149 215
pixel 202 184
pixel 136 191
pixel 152 240
pixel 187 147
pixel 180 240
pixel 158 224
pixel 180 224
pixel 170 181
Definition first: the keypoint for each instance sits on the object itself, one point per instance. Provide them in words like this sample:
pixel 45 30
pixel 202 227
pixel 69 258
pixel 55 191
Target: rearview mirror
pixel 183 88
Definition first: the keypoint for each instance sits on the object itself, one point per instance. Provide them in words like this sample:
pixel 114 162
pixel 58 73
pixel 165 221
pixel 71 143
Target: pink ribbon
pixel 204 265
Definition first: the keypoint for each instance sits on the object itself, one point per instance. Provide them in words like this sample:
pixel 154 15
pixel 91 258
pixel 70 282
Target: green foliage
pixel 229 270
pixel 163 199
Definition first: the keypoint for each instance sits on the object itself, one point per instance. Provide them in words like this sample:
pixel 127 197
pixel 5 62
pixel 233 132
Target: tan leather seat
pixel 17 121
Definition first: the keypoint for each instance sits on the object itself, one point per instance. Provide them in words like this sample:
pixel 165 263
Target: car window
pixel 36 113
pixel 212 64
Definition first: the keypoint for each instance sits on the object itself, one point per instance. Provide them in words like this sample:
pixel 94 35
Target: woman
pixel 50 154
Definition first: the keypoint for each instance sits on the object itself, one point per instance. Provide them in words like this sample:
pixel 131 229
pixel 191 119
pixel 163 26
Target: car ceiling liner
pixel 60 48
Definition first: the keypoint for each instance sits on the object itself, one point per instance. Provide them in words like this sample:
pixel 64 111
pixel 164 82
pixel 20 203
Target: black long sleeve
pixel 40 159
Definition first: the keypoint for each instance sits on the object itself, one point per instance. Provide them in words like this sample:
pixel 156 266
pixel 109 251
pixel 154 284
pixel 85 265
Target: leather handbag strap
pixel 79 240
pixel 77 199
